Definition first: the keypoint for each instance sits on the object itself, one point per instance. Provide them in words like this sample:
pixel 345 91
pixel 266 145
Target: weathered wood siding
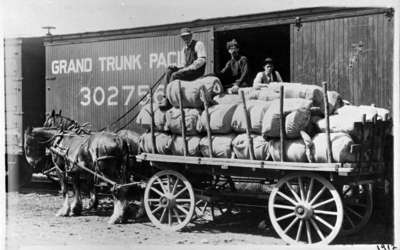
pixel 354 55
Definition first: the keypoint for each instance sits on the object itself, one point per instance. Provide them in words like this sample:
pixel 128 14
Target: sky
pixel 24 18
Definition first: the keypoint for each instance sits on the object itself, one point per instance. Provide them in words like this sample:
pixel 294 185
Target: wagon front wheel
pixel 305 208
pixel 169 200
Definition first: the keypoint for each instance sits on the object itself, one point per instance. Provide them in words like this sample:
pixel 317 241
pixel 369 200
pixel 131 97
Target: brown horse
pixel 104 152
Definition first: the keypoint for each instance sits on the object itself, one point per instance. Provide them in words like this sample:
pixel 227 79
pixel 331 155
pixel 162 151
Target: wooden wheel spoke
pixel 316 197
pixel 285 216
pixel 291 224
pixel 182 209
pixel 308 230
pixel 323 203
pixel 310 188
pixel 325 212
pixel 353 212
pixel 177 215
pixel 175 185
pixel 286 197
pixel 321 236
pixel 163 215
pixel 157 191
pixel 284 206
pixel 299 229
pixel 169 217
pixel 161 185
pixel 156 209
pixel 349 219
pixel 182 200
pixel 293 192
pixel 180 192
pixel 323 222
pixel 154 200
pixel 168 185
pixel 301 188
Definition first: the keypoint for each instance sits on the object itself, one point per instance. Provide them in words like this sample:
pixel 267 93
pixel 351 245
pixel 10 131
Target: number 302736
pixel 386 247
pixel 111 95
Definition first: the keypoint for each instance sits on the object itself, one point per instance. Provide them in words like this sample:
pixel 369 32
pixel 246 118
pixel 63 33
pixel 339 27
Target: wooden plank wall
pixel 354 55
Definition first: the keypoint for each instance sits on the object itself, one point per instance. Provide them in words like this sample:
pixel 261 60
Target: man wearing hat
pixel 235 74
pixel 194 62
pixel 268 75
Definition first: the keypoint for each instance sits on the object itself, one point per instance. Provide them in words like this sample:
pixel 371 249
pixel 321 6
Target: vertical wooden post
pixel 282 123
pixel 153 138
pixel 183 122
pixel 328 128
pixel 248 127
pixel 209 136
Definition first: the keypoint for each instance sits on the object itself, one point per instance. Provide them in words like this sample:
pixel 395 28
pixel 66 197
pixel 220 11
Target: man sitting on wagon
pixel 194 63
pixel 235 74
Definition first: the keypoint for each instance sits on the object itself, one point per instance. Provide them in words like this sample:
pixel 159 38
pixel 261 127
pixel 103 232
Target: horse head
pixel 35 142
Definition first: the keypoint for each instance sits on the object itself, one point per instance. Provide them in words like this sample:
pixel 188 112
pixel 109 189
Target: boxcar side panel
pixel 355 53
pixel 97 82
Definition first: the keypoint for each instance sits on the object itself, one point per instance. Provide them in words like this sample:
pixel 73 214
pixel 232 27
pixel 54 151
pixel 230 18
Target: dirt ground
pixel 31 222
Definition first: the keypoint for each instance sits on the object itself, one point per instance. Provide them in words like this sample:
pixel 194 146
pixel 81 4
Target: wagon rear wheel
pixel 169 200
pixel 358 204
pixel 305 208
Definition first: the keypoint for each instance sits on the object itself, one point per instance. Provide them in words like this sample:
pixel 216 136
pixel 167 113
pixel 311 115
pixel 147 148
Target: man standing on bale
pixel 235 74
pixel 194 63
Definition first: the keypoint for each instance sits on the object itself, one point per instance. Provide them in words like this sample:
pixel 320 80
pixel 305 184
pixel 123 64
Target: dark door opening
pixel 257 44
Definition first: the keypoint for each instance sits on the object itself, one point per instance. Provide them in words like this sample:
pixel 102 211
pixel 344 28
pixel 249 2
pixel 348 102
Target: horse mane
pixel 65 123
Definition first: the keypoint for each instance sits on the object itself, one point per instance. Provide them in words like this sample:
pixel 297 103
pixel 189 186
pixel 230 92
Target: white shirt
pixel 201 56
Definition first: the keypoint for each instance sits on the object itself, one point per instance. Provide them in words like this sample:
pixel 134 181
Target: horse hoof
pixel 63 212
pixel 140 214
pixel 115 220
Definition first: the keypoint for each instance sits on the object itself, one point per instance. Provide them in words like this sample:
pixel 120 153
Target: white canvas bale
pixel 241 147
pixel 163 143
pixel 256 110
pixel 343 122
pixel 222 146
pixel 359 111
pixel 295 150
pixel 271 119
pixel 174 119
pixel 191 91
pixel 220 118
pixel 144 118
pixel 267 94
pixel 341 146
pixel 296 121
pixel 227 99
pixel 193 145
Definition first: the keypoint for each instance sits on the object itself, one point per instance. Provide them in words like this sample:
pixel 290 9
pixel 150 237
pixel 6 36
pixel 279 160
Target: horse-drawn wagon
pixel 307 202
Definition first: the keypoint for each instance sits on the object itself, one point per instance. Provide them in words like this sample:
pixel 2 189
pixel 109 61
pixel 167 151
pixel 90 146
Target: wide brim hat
pixel 185 32
pixel 268 60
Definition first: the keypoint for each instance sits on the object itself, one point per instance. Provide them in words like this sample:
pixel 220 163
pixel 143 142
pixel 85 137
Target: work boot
pixel 163 104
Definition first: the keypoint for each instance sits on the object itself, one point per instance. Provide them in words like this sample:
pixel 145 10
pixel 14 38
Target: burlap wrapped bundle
pixel 191 91
pixel 144 118
pixel 295 150
pixel 256 110
pixel 335 101
pixel 222 146
pixel 193 145
pixel 359 111
pixel 304 91
pixel 296 121
pixel 241 148
pixel 271 119
pixel 227 99
pixel 341 146
pixel 220 118
pixel 265 94
pixel 174 119
pixel 163 143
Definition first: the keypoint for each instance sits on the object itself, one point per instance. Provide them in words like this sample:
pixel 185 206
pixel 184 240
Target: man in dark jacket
pixel 235 74
pixel 194 62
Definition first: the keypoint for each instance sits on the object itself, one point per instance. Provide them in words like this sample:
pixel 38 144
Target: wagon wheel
pixel 169 200
pixel 305 208
pixel 358 204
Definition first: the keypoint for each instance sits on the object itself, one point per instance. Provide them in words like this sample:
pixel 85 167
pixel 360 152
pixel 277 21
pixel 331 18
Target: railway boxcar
pixel 98 76
pixel 24 62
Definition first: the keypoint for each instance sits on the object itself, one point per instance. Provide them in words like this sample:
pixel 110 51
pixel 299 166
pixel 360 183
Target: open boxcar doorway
pixel 257 44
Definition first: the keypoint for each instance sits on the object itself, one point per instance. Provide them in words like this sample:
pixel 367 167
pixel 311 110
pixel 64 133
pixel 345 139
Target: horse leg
pixel 140 212
pixel 93 202
pixel 120 206
pixel 76 205
pixel 64 210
